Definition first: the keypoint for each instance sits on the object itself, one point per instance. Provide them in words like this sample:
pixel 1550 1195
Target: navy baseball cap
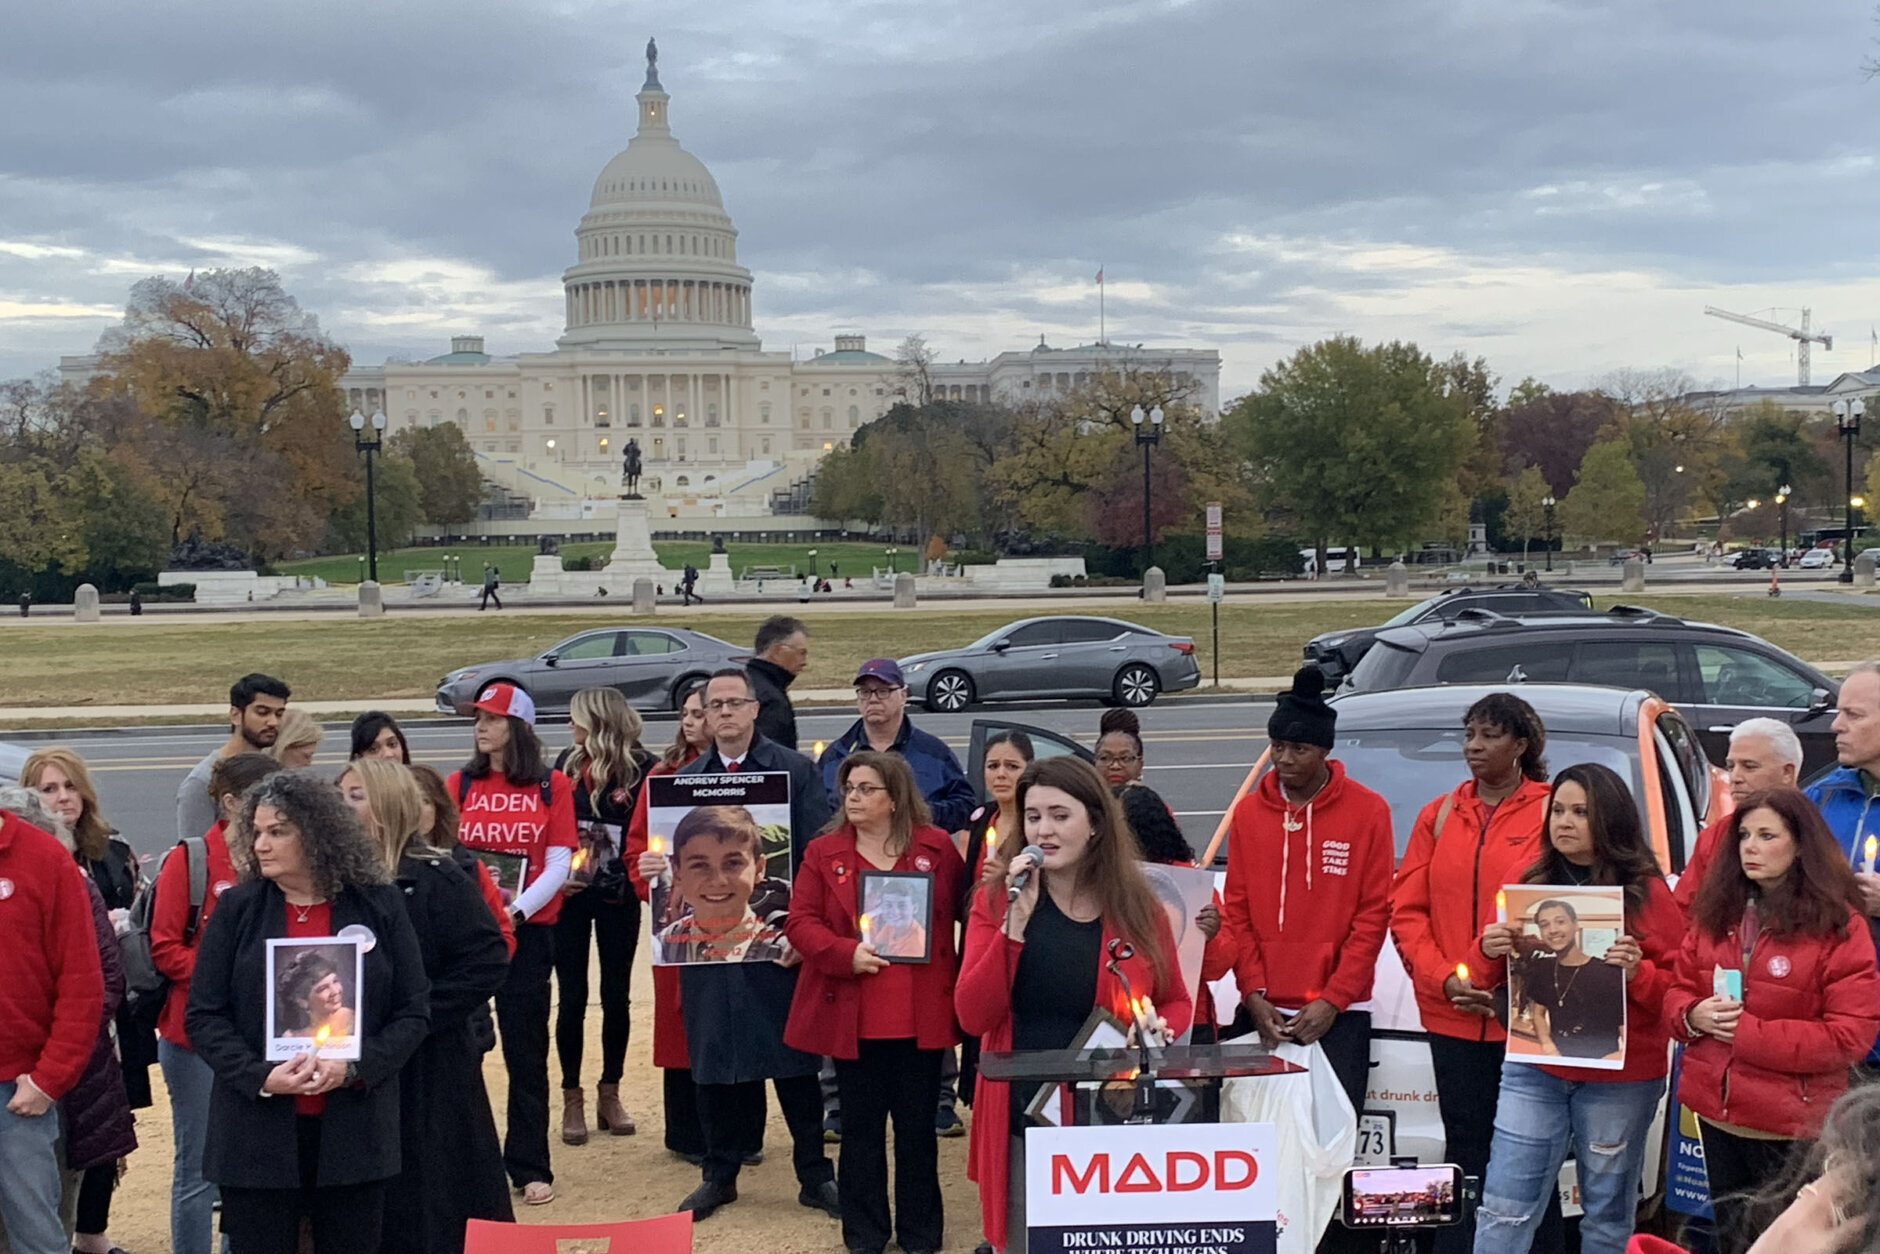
pixel 886 669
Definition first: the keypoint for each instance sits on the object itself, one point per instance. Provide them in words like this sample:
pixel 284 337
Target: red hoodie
pixel 51 985
pixel 1445 892
pixel 1310 906
pixel 169 919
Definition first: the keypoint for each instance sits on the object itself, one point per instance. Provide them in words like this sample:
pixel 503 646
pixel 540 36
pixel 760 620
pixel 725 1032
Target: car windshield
pixel 1411 767
pixel 1410 615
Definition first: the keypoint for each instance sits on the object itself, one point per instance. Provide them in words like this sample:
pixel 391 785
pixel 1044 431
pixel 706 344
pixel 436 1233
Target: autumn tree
pixel 1608 500
pixel 1552 430
pixel 1362 445
pixel 913 372
pixel 240 428
pixel 449 481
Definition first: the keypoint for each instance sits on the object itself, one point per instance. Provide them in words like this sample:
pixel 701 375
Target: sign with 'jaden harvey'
pixel 1187 1189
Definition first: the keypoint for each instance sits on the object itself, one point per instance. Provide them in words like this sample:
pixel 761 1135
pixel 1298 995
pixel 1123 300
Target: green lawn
pixel 174 661
pixel 516 560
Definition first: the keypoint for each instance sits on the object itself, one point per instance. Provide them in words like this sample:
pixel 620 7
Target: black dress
pixel 452 1159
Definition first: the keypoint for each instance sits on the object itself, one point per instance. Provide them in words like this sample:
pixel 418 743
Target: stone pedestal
pixel 1863 572
pixel 1634 577
pixel 546 564
pixel 1154 586
pixel 85 603
pixel 371 600
pixel 1397 580
pixel 643 602
pixel 633 545
pixel 716 579
pixel 904 591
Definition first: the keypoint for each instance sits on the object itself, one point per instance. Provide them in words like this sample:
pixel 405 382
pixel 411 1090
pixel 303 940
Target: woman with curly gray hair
pixel 323 1138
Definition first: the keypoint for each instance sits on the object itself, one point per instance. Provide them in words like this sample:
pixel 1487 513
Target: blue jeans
pixel 1539 1117
pixel 29 1166
pixel 192 1199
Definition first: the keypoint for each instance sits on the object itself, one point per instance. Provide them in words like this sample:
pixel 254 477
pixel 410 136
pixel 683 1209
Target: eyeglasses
pixel 1118 759
pixel 724 704
pixel 862 790
pixel 874 696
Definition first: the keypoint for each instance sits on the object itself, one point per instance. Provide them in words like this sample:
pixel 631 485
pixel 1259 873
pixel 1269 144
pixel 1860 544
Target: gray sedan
pixel 649 665
pixel 1058 657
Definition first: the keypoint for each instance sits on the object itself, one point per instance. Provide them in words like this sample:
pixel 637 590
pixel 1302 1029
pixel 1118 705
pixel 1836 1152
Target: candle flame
pixel 320 1037
pixel 1872 848
pixel 1501 901
pixel 867 923
pixel 655 844
pixel 1462 972
pixel 579 857
pixel 992 835
pixel 819 748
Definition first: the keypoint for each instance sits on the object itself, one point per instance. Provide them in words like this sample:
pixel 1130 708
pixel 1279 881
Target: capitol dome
pixel 657 254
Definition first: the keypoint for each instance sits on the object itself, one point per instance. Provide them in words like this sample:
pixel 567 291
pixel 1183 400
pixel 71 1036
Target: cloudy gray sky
pixel 1558 185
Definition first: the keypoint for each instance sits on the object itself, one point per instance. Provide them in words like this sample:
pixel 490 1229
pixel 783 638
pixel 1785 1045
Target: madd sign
pixel 1191 1189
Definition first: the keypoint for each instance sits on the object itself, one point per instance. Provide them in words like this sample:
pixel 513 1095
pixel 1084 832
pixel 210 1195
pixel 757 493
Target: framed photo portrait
pixel 509 870
pixel 1566 1003
pixel 728 892
pixel 897 914
pixel 313 992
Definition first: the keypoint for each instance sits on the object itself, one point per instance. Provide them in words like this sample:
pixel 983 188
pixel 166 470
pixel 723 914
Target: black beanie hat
pixel 1301 714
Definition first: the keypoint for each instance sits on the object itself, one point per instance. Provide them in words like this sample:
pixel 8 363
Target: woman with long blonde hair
pixel 299 740
pixel 608 767
pixel 453 1160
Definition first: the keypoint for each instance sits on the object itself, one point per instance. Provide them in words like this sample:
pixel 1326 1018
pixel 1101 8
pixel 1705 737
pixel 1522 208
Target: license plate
pixel 1376 1137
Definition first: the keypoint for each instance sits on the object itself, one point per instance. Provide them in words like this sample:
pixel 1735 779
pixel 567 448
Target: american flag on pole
pixel 1099 276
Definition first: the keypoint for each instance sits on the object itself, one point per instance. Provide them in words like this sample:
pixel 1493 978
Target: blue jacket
pixel 937 772
pixel 1852 816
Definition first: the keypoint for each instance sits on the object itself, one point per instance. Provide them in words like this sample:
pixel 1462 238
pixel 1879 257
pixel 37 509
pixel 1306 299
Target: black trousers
pixel 1347 1046
pixel 732 1116
pixel 345 1218
pixel 1738 1166
pixel 890 1080
pixel 94 1199
pixel 1468 1088
pixel 489 594
pixel 683 1133
pixel 522 1025
pixel 616 929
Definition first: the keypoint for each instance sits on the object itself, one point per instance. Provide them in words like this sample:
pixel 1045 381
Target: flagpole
pixel 1103 330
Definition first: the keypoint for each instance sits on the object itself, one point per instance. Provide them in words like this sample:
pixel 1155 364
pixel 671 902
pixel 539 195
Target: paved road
pixel 1198 751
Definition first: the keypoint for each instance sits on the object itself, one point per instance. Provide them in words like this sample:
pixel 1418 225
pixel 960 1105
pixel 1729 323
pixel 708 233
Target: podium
pixel 1172 1084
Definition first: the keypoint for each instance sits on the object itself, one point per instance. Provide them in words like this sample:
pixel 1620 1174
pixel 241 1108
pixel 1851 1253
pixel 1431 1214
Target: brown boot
pixel 610 1114
pixel 573 1118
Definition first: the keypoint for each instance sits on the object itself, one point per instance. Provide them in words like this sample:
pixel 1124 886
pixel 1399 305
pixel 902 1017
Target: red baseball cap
pixel 508 701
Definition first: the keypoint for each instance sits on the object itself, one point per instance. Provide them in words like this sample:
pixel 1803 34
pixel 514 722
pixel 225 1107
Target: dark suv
pixel 1337 652
pixel 1716 676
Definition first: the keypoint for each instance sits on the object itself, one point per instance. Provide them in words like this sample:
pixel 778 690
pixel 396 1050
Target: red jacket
pixel 169 919
pixel 501 818
pixel 1811 1010
pixel 670 1049
pixel 826 1015
pixel 984 1002
pixel 1709 842
pixel 1445 893
pixel 1310 906
pixel 51 983
pixel 1658 928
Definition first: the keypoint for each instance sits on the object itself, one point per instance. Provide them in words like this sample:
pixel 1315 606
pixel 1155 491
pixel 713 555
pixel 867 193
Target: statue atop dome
pixel 652 64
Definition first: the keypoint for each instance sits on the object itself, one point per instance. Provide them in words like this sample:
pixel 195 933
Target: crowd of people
pixel 411 902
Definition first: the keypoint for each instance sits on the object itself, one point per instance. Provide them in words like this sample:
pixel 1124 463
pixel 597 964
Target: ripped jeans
pixel 1540 1117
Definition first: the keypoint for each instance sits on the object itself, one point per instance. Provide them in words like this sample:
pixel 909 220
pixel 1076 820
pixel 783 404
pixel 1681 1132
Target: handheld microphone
pixel 1036 856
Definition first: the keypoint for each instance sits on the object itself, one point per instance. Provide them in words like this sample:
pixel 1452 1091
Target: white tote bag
pixel 1316 1134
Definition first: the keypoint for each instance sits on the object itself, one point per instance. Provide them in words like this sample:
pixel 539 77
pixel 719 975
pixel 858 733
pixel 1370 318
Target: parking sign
pixel 1214 531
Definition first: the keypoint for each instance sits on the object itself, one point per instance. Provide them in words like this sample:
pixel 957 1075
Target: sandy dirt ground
pixel 610 1178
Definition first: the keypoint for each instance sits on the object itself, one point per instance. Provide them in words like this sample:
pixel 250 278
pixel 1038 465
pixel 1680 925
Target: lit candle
pixel 867 925
pixel 1501 905
pixel 320 1037
pixel 1868 851
pixel 819 750
pixel 655 844
pixel 1462 972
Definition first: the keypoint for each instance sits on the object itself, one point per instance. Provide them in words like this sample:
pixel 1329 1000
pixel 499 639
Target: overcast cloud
pixel 1558 186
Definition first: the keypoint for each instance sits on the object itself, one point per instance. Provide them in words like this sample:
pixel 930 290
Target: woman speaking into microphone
pixel 1036 958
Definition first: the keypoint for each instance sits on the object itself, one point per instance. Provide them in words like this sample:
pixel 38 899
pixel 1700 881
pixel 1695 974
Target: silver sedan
pixel 650 666
pixel 1061 656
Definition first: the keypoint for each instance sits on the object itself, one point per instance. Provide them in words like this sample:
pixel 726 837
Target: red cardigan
pixel 825 1017
pixel 670 1050
pixel 1659 930
pixel 984 1002
pixel 1811 1009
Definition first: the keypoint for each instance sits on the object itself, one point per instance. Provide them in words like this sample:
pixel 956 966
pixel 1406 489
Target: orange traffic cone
pixel 1775 582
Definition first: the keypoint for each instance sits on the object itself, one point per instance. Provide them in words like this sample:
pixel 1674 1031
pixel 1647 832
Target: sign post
pixel 1185 1189
pixel 1217 582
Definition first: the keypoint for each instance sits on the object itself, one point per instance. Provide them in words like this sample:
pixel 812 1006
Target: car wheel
pixel 949 692
pixel 1136 685
pixel 679 688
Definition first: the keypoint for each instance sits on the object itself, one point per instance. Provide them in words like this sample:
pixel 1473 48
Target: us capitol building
pixel 659 348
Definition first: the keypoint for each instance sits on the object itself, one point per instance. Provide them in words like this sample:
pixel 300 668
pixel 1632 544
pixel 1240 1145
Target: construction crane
pixel 1803 338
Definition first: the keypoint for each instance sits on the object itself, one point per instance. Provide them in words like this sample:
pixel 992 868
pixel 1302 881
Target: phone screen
pixel 1403 1197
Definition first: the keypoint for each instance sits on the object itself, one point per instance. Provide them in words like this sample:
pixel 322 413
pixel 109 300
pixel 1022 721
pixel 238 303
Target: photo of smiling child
pixel 313 997
pixel 897 911
pixel 721 900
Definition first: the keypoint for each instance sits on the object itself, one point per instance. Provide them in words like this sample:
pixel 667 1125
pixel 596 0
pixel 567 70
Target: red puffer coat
pixel 1811 1010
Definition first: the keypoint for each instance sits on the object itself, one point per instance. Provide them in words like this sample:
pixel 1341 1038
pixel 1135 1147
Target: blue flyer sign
pixel 1687 1184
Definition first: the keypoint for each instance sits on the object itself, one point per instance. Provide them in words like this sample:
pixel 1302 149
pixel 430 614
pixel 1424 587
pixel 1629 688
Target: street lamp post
pixel 1782 505
pixel 891 551
pixel 369 447
pixel 1547 503
pixel 1148 434
pixel 1848 413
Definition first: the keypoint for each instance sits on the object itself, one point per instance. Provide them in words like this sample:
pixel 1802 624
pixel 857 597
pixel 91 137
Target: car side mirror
pixel 1000 646
pixel 1820 701
pixel 550 659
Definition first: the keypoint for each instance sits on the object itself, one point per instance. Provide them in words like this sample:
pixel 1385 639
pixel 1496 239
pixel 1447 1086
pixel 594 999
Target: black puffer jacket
pixel 99 1127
